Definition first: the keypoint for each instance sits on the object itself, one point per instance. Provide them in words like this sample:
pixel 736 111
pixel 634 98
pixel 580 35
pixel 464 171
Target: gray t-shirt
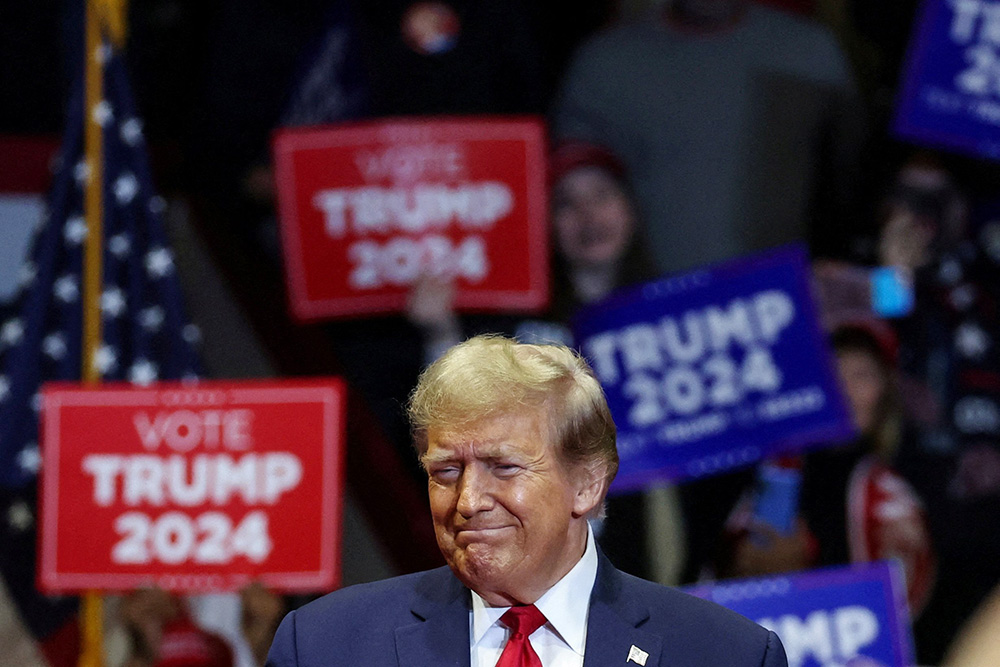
pixel 724 134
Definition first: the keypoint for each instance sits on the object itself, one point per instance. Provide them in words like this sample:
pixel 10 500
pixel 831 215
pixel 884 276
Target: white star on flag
pixel 131 131
pixel 119 245
pixel 151 318
pixel 54 346
pixel 105 360
pixel 76 230
pixel 12 331
pixel 102 53
pixel 27 274
pixel 4 388
pixel 81 172
pixel 191 333
pixel 19 516
pixel 126 188
pixel 159 262
pixel 66 289
pixel 143 372
pixel 103 113
pixel 30 459
pixel 113 302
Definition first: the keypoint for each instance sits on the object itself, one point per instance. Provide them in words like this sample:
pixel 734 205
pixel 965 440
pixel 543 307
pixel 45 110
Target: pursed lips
pixel 477 533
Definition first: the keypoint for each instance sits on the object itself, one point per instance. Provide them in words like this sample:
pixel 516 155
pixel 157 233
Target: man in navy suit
pixel 519 448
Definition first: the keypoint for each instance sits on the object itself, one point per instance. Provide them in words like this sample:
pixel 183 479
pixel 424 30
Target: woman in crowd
pixel 852 506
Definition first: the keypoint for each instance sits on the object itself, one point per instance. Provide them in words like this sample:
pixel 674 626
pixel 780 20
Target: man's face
pixel 509 517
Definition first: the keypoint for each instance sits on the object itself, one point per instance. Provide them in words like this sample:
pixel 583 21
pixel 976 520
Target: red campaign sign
pixel 192 487
pixel 368 208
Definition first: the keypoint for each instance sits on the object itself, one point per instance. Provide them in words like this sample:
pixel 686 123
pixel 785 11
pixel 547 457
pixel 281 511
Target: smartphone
pixel 892 292
pixel 777 498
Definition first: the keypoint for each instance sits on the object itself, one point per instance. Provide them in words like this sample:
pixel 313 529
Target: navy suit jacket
pixel 422 620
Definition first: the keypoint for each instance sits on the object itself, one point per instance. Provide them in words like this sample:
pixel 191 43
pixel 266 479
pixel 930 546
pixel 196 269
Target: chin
pixel 479 566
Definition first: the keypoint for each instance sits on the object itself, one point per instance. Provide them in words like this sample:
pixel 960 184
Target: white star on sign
pixel 66 289
pixel 36 401
pixel 81 172
pixel 143 372
pixel 12 331
pixel 151 318
pixel 30 459
pixel 119 245
pixel 54 346
pixel 113 302
pixel 126 188
pixel 105 360
pixel 76 230
pixel 159 262
pixel 102 114
pixel 19 516
pixel 971 341
pixel 131 131
pixel 4 388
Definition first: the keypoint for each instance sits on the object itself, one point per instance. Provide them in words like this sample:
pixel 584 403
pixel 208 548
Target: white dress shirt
pixel 558 643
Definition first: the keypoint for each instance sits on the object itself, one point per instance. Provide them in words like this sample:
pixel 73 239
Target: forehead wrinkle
pixel 456 448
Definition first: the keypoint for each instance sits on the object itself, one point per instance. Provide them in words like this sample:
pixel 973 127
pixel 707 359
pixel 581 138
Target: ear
pixel 590 491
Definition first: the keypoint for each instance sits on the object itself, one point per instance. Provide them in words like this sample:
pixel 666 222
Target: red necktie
pixel 522 621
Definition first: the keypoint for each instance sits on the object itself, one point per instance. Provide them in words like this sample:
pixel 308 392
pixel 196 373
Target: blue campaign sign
pixel 715 369
pixel 951 89
pixel 838 617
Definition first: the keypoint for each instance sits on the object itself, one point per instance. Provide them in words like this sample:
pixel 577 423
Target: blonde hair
pixel 487 376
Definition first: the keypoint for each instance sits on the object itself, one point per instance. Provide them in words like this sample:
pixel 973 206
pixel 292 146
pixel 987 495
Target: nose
pixel 474 494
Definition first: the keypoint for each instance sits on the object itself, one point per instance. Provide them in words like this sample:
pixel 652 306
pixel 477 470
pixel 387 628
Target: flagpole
pixel 92 611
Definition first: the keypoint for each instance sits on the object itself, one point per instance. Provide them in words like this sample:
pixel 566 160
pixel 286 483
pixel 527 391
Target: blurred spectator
pixel 163 634
pixel 948 345
pixel 262 612
pixel 739 124
pixel 164 631
pixel 596 248
pixel 977 645
pixel 853 507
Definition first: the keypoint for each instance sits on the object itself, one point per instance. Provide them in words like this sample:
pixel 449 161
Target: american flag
pixel 145 334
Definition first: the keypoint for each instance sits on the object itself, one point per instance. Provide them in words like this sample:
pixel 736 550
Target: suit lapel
pixel 439 636
pixel 612 625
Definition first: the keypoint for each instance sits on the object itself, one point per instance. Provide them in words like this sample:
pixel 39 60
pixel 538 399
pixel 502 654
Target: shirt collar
pixel 565 605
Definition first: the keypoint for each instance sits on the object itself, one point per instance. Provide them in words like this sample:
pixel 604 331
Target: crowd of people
pixel 682 133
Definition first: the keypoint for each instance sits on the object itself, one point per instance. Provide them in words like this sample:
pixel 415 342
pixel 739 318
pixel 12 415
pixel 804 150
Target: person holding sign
pixel 519 447
pixel 846 504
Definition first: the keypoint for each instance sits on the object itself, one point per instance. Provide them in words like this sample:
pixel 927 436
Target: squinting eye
pixel 444 475
pixel 506 469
